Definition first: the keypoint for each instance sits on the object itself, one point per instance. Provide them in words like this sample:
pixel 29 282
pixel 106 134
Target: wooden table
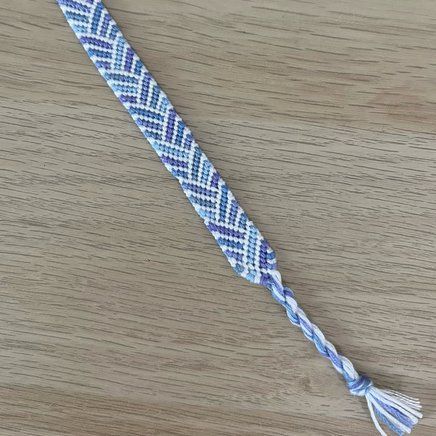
pixel 120 316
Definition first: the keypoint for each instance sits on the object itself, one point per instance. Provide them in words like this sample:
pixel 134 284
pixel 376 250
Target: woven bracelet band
pixel 245 248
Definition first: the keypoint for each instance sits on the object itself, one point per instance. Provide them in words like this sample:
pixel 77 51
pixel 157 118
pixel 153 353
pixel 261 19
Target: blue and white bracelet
pixel 246 249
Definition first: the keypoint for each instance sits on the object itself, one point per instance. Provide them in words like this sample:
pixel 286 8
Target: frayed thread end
pixel 398 412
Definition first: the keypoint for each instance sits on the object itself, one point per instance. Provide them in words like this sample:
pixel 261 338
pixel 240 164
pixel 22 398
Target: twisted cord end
pixel 394 410
pixel 397 411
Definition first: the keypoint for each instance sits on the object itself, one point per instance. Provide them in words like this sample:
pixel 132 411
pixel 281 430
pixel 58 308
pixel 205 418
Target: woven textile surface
pixel 245 248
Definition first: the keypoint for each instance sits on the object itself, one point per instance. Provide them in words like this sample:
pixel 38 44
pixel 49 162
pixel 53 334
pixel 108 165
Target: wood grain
pixel 120 316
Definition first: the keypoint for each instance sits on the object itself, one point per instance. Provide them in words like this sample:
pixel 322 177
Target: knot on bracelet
pixel 360 386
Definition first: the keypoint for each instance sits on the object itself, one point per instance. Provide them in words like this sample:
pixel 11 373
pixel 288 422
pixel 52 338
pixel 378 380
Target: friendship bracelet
pixel 245 248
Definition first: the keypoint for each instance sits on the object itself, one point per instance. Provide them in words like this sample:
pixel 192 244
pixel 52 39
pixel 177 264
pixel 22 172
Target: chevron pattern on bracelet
pixel 242 243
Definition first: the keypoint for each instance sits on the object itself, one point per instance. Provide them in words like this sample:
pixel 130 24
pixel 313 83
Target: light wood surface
pixel 118 313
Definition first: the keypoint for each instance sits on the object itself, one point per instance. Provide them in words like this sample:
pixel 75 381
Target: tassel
pixel 397 411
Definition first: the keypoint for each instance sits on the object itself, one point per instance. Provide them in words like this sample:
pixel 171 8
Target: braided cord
pixel 398 412
pixel 297 316
pixel 245 248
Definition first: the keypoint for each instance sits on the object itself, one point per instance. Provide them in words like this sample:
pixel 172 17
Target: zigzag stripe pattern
pixel 245 248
